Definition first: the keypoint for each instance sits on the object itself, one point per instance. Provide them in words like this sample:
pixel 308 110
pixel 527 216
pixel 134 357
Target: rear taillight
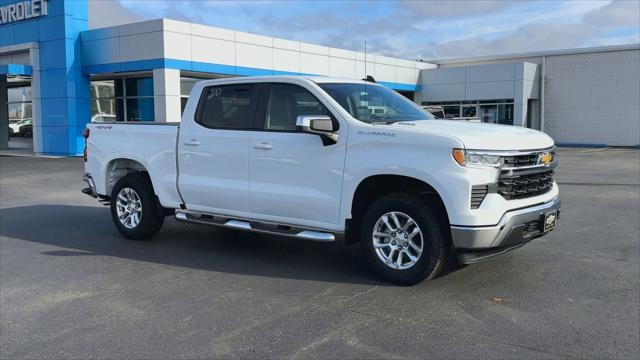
pixel 85 135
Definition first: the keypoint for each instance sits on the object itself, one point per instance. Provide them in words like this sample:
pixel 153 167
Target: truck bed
pixel 152 144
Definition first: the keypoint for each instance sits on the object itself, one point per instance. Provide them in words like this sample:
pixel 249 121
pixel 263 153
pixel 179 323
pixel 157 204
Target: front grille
pixel 524 186
pixel 521 160
pixel 478 193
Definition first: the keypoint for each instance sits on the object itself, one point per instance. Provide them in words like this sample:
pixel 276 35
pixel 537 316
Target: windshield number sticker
pixel 214 92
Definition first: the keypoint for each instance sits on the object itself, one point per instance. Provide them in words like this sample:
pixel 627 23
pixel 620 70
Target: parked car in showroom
pixel 100 118
pixel 330 160
pixel 18 128
pixel 26 130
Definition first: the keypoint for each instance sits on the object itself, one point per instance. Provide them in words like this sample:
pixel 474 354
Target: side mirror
pixel 319 125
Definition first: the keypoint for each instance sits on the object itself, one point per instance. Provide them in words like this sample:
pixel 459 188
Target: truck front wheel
pixel 403 240
pixel 134 208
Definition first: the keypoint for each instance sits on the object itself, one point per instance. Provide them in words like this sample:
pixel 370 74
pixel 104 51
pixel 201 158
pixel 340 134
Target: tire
pixel 431 239
pixel 143 224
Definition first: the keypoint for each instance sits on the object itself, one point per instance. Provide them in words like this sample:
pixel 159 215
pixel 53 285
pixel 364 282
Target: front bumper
pixel 515 228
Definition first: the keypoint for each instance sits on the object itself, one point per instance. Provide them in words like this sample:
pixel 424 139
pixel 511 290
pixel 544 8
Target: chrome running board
pixel 257 226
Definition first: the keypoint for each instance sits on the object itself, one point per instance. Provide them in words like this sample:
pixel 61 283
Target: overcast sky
pixel 407 29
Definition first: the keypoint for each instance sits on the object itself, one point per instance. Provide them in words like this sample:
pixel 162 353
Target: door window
pixel 286 103
pixel 227 107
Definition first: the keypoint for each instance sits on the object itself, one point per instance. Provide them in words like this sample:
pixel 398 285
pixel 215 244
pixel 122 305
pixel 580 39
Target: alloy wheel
pixel 397 240
pixel 129 208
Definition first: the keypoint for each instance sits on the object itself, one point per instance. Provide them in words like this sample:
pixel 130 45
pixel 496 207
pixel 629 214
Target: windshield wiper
pixel 388 122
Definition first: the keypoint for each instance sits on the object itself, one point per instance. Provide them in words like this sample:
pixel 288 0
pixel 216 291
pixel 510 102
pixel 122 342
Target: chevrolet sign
pixel 22 10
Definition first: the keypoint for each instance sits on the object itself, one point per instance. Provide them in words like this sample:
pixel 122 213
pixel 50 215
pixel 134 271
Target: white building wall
pixel 166 95
pixel 512 80
pixel 593 98
pixel 22 58
pixel 163 38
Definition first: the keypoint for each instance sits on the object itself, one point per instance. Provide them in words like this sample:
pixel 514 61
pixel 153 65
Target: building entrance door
pixel 18 112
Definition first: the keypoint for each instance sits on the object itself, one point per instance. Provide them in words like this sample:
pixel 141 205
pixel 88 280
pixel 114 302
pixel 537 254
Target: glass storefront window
pixel 498 111
pixel 186 85
pixel 139 87
pixel 122 99
pixel 103 102
pixel 451 111
pixel 489 113
pixel 469 111
pixel 20 111
pixel 140 109
pixel 19 94
pixel 505 114
pixel 183 104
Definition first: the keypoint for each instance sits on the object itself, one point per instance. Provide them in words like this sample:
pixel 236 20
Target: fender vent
pixel 478 193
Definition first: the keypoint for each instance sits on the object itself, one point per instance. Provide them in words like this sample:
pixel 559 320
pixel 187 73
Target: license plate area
pixel 549 221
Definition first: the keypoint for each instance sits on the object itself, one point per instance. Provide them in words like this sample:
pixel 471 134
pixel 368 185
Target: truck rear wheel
pixel 134 207
pixel 403 240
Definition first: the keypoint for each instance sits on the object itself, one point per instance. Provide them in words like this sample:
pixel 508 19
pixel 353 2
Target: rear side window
pixel 286 103
pixel 228 107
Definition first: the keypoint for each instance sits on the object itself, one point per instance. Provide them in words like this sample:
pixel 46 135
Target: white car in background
pixel 18 127
pixel 101 118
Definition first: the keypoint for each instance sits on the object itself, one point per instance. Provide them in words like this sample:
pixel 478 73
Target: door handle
pixel 263 146
pixel 192 142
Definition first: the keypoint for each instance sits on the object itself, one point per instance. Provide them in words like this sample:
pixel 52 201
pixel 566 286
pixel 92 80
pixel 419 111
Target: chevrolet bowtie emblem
pixel 545 158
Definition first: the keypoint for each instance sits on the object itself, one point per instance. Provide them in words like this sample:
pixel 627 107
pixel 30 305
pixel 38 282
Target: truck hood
pixel 482 136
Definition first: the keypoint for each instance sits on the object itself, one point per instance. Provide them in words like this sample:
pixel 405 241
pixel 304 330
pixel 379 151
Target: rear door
pixel 294 178
pixel 213 150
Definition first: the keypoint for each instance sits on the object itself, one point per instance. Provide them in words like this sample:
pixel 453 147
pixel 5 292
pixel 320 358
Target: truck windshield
pixel 373 103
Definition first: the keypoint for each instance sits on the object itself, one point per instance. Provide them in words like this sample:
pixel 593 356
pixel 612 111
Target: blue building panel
pixel 59 111
pixel 185 65
pixel 49 28
pixel 64 84
pixel 25 31
pixel 15 69
pixel 7 35
pixel 64 89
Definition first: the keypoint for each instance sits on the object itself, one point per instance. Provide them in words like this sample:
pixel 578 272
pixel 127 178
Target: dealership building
pixel 56 75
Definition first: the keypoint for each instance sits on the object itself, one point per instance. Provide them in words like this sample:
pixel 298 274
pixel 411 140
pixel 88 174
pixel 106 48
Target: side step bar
pixel 257 226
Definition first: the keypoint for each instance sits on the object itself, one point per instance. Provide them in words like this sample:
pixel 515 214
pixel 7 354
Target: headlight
pixel 477 158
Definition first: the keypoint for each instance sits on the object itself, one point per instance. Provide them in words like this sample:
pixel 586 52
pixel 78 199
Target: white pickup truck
pixel 330 160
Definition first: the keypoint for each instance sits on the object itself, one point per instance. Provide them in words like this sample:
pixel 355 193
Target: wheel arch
pixel 373 187
pixel 118 168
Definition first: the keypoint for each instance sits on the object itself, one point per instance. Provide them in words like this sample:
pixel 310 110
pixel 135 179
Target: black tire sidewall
pixel 152 217
pixel 433 255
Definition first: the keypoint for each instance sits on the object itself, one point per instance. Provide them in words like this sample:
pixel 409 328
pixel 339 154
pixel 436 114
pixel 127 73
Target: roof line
pixel 583 50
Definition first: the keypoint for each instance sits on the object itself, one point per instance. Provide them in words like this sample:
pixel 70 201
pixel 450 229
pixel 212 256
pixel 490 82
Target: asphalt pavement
pixel 72 287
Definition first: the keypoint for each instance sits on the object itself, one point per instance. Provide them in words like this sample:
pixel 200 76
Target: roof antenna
pixel 367 77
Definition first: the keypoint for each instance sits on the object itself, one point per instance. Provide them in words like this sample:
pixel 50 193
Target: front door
pixel 294 178
pixel 213 150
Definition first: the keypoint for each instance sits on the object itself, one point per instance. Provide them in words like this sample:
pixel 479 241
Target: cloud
pixel 524 39
pixel 593 28
pixel 103 13
pixel 616 14
pixel 453 9
pixel 408 29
